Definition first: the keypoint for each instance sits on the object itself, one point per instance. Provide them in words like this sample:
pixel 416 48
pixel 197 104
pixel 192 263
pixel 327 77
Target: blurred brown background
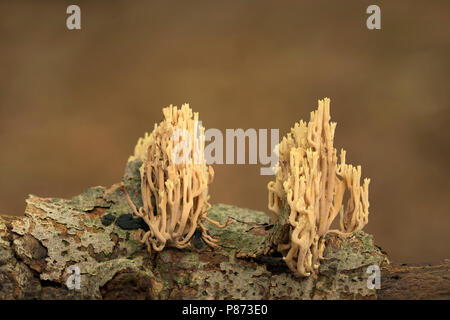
pixel 73 103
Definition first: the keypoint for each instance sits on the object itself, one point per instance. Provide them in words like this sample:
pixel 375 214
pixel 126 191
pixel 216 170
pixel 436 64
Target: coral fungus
pixel 310 185
pixel 174 181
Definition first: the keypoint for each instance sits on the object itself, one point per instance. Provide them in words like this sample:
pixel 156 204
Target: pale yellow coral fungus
pixel 174 181
pixel 311 184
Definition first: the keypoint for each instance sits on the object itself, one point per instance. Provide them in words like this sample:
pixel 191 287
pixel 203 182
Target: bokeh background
pixel 73 103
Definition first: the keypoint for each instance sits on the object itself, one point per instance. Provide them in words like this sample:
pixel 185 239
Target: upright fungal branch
pixel 174 181
pixel 311 184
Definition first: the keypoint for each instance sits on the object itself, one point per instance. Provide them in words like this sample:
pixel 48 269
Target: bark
pixel 94 232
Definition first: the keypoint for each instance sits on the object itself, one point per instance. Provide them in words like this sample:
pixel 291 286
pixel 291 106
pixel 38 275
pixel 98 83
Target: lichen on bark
pixel 36 251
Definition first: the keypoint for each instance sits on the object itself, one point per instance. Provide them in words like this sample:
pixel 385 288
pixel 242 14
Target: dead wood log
pixel 41 253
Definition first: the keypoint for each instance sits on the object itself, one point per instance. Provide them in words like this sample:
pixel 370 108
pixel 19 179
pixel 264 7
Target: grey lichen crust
pixel 54 235
pixel 70 233
pixel 223 276
pixel 94 231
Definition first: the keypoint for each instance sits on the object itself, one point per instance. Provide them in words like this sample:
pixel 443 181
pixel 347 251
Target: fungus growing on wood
pixel 174 181
pixel 310 184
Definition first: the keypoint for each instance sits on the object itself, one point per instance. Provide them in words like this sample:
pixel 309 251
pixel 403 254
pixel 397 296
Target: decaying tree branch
pixel 94 232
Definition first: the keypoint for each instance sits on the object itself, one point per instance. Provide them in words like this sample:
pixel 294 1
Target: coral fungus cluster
pixel 310 184
pixel 174 181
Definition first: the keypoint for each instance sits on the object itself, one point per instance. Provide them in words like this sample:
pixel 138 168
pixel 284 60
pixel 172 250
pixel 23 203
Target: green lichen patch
pixel 246 216
pixel 132 181
pixel 89 199
pixel 238 235
pixel 118 201
pixel 355 251
pixel 343 275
